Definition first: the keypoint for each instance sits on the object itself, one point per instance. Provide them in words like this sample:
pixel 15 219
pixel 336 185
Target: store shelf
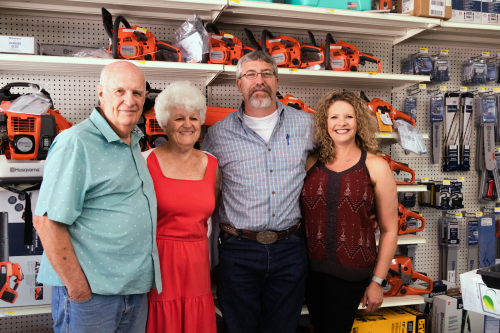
pixel 178 10
pixel 408 239
pixel 24 310
pixel 32 64
pixel 391 137
pixel 392 27
pixel 461 34
pixel 348 80
pixel 412 188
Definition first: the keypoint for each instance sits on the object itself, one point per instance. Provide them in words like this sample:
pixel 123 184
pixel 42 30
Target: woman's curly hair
pixel 366 123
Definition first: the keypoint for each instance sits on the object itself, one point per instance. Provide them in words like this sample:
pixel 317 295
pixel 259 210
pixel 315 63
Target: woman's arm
pixel 311 160
pixel 386 204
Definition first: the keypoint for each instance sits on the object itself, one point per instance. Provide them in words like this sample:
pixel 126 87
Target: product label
pixel 408 6
pixel 473 233
pixel 485 221
pixel 216 55
pixel 489 110
pixel 279 58
pixel 451 276
pixel 337 63
pixel 437 106
pixel 436 8
pixel 128 50
pixel 14 44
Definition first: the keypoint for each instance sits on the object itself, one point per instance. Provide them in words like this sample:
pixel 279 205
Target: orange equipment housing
pixel 342 56
pixel 226 48
pixel 404 215
pixel 294 102
pixel 396 166
pixel 136 43
pixel 311 55
pixel 378 105
pixel 399 276
pixel 7 271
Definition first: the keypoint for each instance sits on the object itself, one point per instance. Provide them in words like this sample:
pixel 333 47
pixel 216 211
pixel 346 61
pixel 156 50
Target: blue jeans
pixel 261 288
pixel 99 314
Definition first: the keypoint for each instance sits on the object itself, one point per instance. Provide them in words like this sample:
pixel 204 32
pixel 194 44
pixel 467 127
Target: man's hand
pixel 375 222
pixel 80 295
pixel 374 296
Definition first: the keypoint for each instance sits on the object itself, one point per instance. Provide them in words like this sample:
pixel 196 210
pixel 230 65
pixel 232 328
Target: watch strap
pixel 380 281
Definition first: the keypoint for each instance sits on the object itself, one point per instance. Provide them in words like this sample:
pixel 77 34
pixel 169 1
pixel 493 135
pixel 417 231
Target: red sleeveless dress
pixel 186 304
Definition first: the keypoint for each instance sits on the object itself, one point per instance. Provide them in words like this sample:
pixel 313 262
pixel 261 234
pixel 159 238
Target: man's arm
pixel 59 250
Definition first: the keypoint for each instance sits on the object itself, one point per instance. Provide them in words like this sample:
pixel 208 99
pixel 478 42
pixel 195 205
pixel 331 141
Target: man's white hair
pixel 180 95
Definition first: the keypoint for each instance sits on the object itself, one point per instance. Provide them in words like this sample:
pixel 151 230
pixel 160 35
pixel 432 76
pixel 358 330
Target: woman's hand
pixel 374 296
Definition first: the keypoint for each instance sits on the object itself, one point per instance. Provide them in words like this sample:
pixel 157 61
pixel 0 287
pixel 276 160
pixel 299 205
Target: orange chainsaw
pixel 294 103
pixel 396 166
pixel 378 105
pixel 28 136
pixel 405 215
pixel 342 56
pixel 226 48
pixel 399 276
pixel 136 43
pixel 311 55
pixel 284 50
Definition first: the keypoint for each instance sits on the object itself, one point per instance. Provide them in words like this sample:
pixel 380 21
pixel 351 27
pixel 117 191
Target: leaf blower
pixel 294 103
pixel 404 216
pixel 8 270
pixel 342 56
pixel 226 48
pixel 28 136
pixel 396 166
pixel 136 43
pixel 379 106
pixel 399 276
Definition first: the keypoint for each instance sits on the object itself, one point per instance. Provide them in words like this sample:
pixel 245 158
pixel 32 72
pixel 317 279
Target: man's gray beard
pixel 263 103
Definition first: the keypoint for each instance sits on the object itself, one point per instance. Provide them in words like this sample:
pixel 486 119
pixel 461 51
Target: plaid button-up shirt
pixel 261 182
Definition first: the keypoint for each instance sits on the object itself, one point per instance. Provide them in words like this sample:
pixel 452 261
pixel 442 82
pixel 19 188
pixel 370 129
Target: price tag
pixel 479 214
pixel 329 10
pixel 497 209
pixel 424 179
pixel 485 54
pixel 424 50
pixel 461 179
pixel 292 71
pixel 9 312
pixel 446 182
pixel 496 90
pixel 140 62
pixel 463 89
pixel 444 52
pixel 386 119
pixel 234 2
pixel 385 134
pixel 481 89
pixel 459 215
pixel 420 214
pixel 372 74
pixel 443 88
pixel 422 86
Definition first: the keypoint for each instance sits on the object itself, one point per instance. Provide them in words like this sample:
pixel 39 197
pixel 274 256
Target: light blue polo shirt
pixel 101 188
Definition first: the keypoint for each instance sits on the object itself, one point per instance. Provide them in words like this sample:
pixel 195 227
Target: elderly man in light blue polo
pixel 96 215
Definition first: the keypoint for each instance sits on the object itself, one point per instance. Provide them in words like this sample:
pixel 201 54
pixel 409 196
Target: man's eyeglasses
pixel 253 75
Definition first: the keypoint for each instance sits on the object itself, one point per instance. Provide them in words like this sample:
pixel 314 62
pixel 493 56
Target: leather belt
pixel 263 237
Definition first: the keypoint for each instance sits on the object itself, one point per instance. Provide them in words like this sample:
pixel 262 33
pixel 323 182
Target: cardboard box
pixel 447 314
pixel 384 320
pixel 466 11
pixel 490 11
pixel 427 8
pixel 19 44
pixel 421 320
pixel 478 297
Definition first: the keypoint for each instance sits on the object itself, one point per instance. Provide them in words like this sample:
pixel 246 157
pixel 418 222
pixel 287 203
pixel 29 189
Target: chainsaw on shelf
pixel 136 43
pixel 294 103
pixel 226 48
pixel 8 270
pixel 378 106
pixel 342 56
pixel 312 54
pixel 404 216
pixel 399 276
pixel 396 166
pixel 285 50
pixel 26 136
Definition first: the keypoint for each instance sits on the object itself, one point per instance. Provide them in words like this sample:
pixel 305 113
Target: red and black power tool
pixel 396 166
pixel 378 105
pixel 28 136
pixel 399 276
pixel 226 48
pixel 404 216
pixel 8 270
pixel 136 43
pixel 294 102
pixel 342 56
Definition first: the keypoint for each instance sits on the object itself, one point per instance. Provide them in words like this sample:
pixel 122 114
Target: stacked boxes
pixel 466 11
pixel 396 320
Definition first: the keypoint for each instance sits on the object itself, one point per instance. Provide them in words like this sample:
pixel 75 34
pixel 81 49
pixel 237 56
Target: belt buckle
pixel 267 237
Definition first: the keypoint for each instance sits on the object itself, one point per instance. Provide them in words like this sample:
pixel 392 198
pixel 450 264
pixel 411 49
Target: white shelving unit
pixel 408 239
pixel 392 27
pixel 24 310
pixel 411 188
pixel 391 137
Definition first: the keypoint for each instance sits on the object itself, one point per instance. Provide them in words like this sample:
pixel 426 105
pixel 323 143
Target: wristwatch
pixel 380 281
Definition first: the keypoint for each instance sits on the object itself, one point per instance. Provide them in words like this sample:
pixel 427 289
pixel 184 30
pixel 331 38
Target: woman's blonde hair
pixel 366 123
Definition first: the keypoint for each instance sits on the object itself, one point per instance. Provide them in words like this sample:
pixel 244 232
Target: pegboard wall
pixel 76 96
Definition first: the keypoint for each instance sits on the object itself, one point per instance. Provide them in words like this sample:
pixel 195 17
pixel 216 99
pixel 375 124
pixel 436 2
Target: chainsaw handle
pixel 18 84
pixel 362 95
pixel 263 39
pixel 116 27
pixel 418 217
pixel 211 27
pixel 252 39
pixel 227 41
pixel 107 20
pixel 422 277
pixel 401 115
pixel 311 38
pixel 307 49
pixel 287 43
pixel 329 39
pixel 399 166
pixel 369 58
pixel 347 50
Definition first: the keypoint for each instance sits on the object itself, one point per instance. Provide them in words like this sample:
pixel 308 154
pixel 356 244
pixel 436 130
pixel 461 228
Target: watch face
pixel 384 283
